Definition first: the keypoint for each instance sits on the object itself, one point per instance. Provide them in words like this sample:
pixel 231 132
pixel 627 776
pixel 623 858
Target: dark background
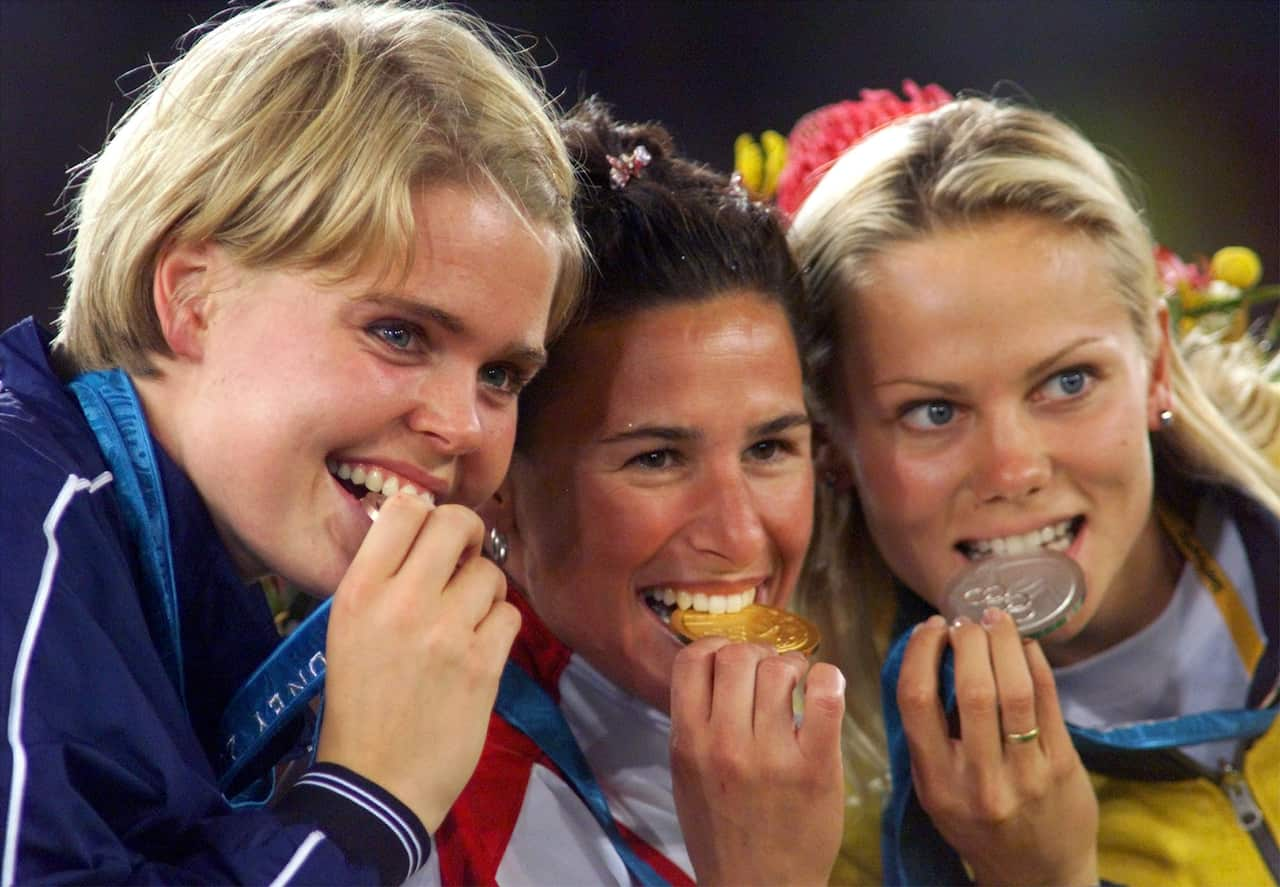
pixel 1185 93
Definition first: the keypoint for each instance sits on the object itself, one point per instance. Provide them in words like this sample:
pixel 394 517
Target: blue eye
pixel 399 335
pixel 933 414
pixel 1068 383
pixel 502 377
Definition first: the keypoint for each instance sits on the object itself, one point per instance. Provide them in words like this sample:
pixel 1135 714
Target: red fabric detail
pixel 666 869
pixel 472 839
pixel 536 649
pixel 822 135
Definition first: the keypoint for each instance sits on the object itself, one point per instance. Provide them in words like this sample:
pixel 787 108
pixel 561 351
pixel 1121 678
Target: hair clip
pixel 627 165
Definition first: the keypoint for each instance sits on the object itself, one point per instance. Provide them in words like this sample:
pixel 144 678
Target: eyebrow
pixel 534 357
pixel 679 434
pixel 1038 369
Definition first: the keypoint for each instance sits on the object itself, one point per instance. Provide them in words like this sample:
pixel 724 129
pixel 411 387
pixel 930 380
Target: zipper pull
pixel 1242 800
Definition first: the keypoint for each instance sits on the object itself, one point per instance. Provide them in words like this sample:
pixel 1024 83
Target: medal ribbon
pixel 531 710
pixel 111 407
pixel 1235 614
pixel 274 694
pixel 294 672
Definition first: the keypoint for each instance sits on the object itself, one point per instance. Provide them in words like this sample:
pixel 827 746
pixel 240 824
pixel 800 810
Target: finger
pixel 472 593
pixel 1053 727
pixel 1017 700
pixel 693 679
pixel 452 536
pixel 923 720
pixel 734 694
pixel 497 631
pixel 823 710
pixel 976 698
pixel 773 718
pixel 389 540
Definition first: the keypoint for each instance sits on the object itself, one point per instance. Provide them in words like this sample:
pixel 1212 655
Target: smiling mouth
pixel 359 480
pixel 1054 537
pixel 665 600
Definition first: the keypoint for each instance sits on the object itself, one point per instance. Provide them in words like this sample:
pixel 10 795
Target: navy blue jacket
pixel 108 776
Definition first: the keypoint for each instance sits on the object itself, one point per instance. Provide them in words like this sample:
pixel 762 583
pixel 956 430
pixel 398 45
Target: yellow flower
pixel 748 162
pixel 1236 265
pixel 760 163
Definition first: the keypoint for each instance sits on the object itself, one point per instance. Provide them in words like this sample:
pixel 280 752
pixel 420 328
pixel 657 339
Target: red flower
pixel 822 135
pixel 1177 275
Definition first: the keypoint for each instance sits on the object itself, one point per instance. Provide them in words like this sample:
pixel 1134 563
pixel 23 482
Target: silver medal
pixel 1039 590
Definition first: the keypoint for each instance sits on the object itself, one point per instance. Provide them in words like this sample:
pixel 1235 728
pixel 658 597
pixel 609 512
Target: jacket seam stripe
pixel 17 689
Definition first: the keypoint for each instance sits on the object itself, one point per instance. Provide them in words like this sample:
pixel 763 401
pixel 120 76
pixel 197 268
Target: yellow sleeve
pixel 858 863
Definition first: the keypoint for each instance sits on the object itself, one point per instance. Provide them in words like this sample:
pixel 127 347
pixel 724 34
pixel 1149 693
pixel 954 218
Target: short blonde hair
pixel 294 134
pixel 971 160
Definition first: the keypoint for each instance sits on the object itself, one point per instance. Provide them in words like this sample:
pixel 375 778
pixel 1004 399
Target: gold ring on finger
pixel 1029 736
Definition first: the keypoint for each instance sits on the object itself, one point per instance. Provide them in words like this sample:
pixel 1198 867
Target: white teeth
pixel 702 602
pixel 376 480
pixel 1054 536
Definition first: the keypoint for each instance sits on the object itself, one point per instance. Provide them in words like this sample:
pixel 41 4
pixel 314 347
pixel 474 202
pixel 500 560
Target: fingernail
pixel 991 616
pixel 959 621
pixel 936 621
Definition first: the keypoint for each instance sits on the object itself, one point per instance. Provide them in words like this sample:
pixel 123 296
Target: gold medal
pixel 758 623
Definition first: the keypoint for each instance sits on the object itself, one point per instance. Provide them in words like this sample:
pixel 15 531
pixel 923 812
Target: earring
pixel 496 547
pixel 1166 419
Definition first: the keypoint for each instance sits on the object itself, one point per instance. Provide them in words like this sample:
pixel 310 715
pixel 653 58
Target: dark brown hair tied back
pixel 668 230
pixel 675 230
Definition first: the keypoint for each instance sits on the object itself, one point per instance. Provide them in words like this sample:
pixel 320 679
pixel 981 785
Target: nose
pixel 726 520
pixel 1014 461
pixel 447 408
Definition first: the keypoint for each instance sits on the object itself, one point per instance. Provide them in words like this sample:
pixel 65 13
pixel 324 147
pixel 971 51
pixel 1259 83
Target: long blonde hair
pixel 294 134
pixel 972 159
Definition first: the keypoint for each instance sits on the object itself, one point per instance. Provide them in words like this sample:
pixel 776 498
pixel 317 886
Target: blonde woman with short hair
pixel 313 267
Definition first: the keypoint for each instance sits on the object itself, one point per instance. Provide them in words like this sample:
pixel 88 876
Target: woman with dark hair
pixel 662 467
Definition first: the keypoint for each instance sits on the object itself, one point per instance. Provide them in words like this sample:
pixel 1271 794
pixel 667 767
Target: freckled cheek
pixel 908 491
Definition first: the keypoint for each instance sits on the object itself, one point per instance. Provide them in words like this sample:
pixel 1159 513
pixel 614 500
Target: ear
pixel 829 461
pixel 499 513
pixel 1160 388
pixel 180 291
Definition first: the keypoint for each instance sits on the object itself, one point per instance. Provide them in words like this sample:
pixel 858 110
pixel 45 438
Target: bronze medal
pixel 761 624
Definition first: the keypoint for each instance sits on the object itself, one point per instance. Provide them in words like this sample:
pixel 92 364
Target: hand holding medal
pixel 1011 761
